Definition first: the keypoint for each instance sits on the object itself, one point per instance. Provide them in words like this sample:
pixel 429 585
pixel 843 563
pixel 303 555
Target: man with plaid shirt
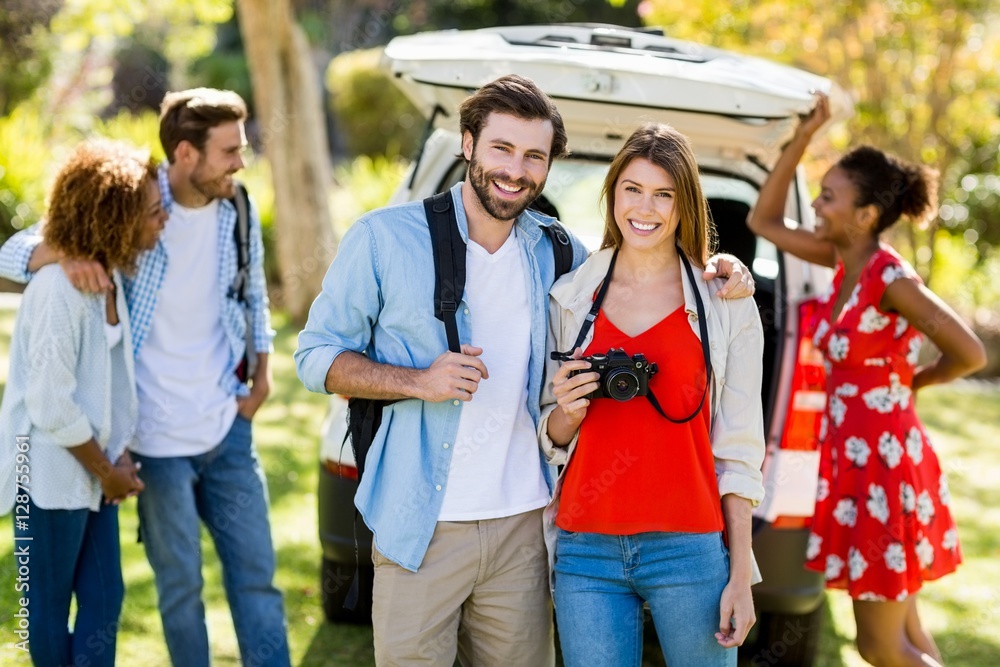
pixel 194 440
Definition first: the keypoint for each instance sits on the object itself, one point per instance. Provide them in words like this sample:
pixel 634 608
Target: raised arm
pixel 768 216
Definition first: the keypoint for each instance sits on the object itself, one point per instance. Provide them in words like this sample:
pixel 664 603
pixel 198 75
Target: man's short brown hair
pixel 188 115
pixel 516 96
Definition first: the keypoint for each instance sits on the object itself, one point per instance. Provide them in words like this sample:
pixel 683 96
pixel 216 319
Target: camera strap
pixel 702 327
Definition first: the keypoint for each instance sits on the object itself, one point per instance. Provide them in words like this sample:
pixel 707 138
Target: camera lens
pixel 621 384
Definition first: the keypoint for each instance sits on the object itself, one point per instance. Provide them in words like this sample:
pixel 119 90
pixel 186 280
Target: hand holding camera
pixel 618 375
pixel 571 384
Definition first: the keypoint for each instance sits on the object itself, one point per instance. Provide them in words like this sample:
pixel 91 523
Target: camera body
pixel 621 377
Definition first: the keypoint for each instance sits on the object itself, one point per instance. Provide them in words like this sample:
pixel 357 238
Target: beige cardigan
pixel 736 342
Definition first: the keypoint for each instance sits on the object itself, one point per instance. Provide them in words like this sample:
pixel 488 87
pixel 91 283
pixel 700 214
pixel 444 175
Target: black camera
pixel 621 377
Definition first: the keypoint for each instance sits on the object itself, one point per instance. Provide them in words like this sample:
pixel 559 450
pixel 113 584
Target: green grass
pixel 961 610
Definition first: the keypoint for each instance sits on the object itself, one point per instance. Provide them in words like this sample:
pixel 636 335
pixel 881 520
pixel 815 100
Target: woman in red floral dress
pixel 882 525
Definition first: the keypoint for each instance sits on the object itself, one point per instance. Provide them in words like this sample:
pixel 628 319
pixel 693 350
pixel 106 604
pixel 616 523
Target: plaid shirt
pixel 142 289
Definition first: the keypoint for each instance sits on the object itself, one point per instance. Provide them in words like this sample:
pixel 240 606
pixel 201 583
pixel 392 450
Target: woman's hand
pixel 569 393
pixel 815 118
pixel 736 614
pixel 123 480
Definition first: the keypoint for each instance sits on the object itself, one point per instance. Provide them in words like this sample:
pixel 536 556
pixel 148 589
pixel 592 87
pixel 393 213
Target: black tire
pixel 335 584
pixel 787 639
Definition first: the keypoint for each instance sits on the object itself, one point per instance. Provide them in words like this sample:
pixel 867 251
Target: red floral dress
pixel 882 525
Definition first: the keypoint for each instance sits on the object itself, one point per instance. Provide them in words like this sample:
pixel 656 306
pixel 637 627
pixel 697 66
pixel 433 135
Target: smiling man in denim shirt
pixel 454 482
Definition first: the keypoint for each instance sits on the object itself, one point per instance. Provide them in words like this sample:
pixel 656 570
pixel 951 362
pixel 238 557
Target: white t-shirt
pixel 183 411
pixel 495 469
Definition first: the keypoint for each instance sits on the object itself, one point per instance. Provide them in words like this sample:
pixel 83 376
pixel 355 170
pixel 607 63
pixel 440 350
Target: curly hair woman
pixel 882 524
pixel 69 409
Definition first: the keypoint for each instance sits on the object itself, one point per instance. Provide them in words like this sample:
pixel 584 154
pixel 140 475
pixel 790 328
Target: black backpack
pixel 364 415
pixel 241 232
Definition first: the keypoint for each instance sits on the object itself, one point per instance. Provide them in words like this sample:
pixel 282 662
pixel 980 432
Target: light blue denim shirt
pixel 142 289
pixel 378 298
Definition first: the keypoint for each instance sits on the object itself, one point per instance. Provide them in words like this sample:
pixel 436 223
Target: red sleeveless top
pixel 632 470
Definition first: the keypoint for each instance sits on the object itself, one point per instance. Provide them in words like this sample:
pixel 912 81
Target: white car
pixel 737 111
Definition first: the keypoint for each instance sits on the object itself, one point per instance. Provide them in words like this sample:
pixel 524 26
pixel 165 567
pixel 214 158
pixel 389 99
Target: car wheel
pixel 336 579
pixel 787 639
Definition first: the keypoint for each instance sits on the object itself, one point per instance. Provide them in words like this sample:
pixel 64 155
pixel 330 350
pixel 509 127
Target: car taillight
pixel 808 396
pixel 807 401
pixel 338 470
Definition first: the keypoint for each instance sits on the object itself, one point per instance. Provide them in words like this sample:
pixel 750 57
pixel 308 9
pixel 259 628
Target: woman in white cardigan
pixel 653 504
pixel 69 409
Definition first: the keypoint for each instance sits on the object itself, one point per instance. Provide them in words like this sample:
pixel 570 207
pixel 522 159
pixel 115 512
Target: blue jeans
pixel 72 552
pixel 225 489
pixel 601 582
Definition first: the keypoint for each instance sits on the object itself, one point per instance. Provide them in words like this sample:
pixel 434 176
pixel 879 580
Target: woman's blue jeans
pixel 602 581
pixel 73 552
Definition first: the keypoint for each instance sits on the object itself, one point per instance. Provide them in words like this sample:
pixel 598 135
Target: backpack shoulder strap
pixel 241 234
pixel 562 249
pixel 449 263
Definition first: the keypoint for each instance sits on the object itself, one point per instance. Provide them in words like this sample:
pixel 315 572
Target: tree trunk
pixel 287 98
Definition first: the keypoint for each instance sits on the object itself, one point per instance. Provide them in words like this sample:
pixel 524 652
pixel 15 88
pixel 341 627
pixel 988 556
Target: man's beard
pixel 221 187
pixel 501 209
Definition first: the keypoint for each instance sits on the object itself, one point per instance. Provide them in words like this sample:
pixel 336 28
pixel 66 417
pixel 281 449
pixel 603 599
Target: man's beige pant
pixel 482 592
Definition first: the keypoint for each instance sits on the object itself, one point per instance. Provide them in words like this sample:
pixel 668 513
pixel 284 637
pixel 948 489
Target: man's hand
pixel 736 615
pixel 740 283
pixel 248 406
pixel 453 376
pixel 86 275
pixel 260 388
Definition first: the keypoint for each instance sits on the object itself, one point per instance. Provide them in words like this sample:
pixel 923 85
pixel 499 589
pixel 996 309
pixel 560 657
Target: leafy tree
pixel 924 77
pixel 25 58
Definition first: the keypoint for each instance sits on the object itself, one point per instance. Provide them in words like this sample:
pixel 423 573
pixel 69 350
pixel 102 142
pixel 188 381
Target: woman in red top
pixel 651 482
pixel 882 524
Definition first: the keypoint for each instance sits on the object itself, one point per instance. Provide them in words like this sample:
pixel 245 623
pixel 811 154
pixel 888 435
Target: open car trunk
pixel 727 104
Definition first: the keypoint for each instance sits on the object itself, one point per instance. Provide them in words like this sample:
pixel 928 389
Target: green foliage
pixel 25 49
pixel 226 66
pixel 225 70
pixel 363 185
pixel 375 118
pixel 186 27
pixel 141 130
pixel 975 294
pixel 25 161
pixel 924 76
